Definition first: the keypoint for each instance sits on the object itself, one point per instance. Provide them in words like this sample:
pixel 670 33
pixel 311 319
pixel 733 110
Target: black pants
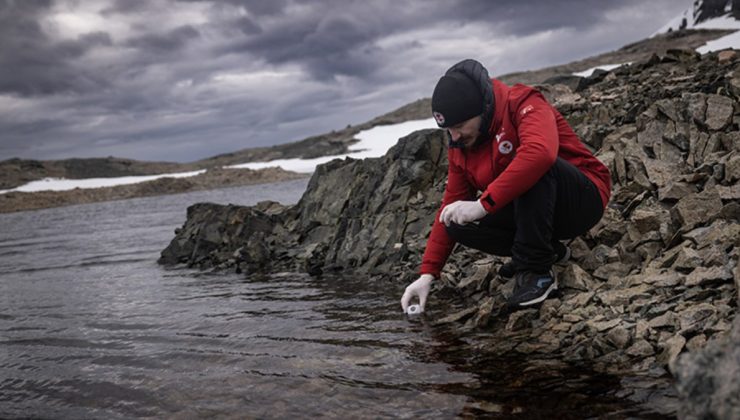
pixel 563 204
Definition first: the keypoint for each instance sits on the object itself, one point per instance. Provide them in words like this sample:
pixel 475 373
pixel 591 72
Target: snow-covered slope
pixel 374 142
pixel 704 15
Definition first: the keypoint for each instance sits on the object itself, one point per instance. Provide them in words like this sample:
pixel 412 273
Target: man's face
pixel 466 132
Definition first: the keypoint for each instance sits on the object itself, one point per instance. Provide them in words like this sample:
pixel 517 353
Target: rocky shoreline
pixel 211 179
pixel 651 291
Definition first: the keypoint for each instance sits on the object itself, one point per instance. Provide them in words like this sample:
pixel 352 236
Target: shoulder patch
pixel 527 109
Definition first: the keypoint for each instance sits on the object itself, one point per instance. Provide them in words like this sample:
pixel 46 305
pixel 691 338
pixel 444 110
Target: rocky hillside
pixel 656 279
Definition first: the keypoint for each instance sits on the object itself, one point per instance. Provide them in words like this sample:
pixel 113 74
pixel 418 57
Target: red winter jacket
pixel 526 135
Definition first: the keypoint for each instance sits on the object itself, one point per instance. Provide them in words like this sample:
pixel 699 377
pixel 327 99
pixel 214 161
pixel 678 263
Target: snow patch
pixel 723 22
pixel 729 41
pixel 61 184
pixel 606 67
pixel 374 142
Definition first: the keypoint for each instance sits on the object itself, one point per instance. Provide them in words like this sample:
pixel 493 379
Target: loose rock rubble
pixel 658 277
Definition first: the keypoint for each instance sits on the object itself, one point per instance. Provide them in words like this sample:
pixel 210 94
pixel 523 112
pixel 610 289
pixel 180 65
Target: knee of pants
pixel 455 231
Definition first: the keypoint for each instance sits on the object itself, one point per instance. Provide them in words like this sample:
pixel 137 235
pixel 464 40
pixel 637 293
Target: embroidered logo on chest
pixel 505 147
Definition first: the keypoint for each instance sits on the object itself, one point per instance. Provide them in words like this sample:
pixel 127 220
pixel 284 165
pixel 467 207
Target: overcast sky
pixel 187 79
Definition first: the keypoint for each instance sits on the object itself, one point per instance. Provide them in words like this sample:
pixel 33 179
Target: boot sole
pixel 552 288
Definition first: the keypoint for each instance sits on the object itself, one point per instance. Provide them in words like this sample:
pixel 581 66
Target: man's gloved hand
pixel 419 288
pixel 462 212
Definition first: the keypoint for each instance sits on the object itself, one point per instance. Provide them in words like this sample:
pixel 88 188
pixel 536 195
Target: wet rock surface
pixel 655 280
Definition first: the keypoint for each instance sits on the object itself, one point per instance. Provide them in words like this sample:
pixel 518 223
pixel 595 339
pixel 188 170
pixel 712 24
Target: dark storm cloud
pixel 152 79
pixel 247 26
pixel 255 7
pixel 526 17
pixel 31 63
pixel 337 38
pixel 326 45
pixel 127 6
pixel 170 41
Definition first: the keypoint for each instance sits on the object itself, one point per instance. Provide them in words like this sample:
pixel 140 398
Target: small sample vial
pixel 413 310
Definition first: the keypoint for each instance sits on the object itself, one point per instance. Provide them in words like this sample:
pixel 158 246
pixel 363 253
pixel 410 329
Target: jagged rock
pixel 483 315
pixel 615 269
pixel 619 336
pixel 656 279
pixel 600 326
pixel 695 317
pixel 709 380
pixel 680 55
pixel 577 301
pixel 549 308
pixel 704 275
pixel 205 238
pixel 623 296
pixel 642 329
pixel 687 259
pixel 736 275
pixel 719 112
pixel 573 83
pixel 480 279
pixel 729 193
pixel 674 191
pixel 732 168
pixel 457 316
pixel 668 319
pixel 697 209
pixel 574 277
pixel 640 348
pixel 520 320
pixel 719 232
pixel 696 343
pixel 726 55
pixel 671 349
pixel 649 219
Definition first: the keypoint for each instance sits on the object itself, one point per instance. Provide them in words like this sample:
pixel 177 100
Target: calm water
pixel 92 327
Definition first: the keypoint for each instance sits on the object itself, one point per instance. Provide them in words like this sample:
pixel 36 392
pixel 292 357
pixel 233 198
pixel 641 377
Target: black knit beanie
pixel 456 98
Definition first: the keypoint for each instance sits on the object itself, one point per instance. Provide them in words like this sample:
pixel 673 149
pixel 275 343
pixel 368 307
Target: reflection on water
pixel 90 326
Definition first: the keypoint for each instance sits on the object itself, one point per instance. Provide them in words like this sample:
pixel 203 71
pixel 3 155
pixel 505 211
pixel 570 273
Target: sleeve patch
pixel 527 109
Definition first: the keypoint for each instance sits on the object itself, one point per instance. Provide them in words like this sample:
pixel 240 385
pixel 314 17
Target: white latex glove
pixel 420 287
pixel 462 212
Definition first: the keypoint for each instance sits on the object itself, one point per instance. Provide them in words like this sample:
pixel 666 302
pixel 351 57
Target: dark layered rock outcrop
pixel 658 278
pixel 363 215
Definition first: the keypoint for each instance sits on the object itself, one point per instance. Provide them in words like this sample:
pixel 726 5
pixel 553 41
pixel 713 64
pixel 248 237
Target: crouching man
pixel 539 184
